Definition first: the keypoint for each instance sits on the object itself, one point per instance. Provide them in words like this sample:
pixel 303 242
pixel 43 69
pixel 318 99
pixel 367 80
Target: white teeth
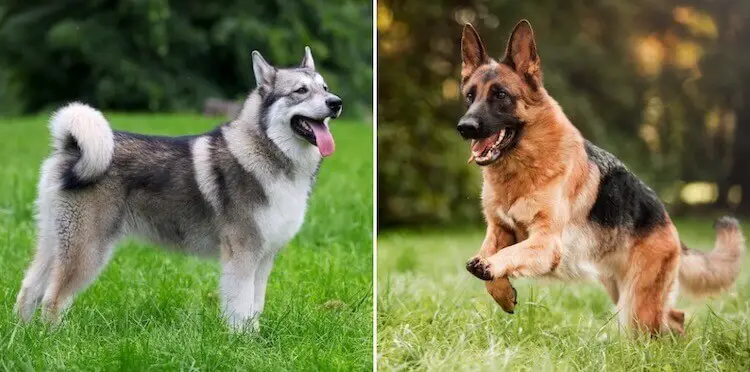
pixel 477 155
pixel 500 137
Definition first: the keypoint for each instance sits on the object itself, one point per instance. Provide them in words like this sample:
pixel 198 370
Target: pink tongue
pixel 323 138
pixel 479 146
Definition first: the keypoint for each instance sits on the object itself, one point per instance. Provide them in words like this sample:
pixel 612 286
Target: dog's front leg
pixel 261 283
pixel 239 266
pixel 500 289
pixel 497 238
pixel 535 256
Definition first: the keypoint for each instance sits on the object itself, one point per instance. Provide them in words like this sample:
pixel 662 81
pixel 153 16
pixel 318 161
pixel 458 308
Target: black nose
pixel 468 127
pixel 334 103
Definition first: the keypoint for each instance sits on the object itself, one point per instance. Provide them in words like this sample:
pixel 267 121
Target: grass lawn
pixel 434 315
pixel 154 310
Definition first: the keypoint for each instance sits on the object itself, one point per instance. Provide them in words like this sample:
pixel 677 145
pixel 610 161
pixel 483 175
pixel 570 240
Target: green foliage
pixel 589 54
pixel 166 56
pixel 423 176
pixel 156 310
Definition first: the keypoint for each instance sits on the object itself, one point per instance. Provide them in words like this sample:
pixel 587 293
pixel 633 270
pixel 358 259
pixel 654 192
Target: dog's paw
pixel 239 324
pixel 504 294
pixel 479 267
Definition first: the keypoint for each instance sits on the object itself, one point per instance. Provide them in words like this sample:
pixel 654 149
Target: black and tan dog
pixel 557 206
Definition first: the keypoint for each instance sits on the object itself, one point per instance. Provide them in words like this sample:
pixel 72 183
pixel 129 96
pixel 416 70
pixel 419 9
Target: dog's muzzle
pixel 336 105
pixel 468 127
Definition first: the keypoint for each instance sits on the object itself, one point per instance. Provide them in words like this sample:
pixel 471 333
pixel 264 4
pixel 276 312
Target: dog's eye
pixel 499 94
pixel 325 88
pixel 470 97
pixel 302 90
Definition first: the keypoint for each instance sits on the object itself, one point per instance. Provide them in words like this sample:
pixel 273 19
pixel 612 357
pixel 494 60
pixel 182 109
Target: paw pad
pixel 480 268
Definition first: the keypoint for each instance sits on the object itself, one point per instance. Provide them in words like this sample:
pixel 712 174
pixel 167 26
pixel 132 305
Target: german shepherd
pixel 239 191
pixel 557 206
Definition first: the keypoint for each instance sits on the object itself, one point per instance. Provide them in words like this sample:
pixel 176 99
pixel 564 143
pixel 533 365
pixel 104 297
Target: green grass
pixel 433 315
pixel 154 310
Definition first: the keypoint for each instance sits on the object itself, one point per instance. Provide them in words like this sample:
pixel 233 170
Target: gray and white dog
pixel 240 190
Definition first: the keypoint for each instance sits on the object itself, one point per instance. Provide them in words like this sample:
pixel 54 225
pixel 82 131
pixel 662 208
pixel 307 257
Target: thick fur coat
pixel 239 192
pixel 558 206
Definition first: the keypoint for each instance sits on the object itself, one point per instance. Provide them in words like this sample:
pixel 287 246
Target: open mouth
pixel 316 132
pixel 487 150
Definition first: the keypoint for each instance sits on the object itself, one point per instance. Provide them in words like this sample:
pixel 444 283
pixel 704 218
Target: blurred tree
pixel 648 81
pixel 726 81
pixel 159 55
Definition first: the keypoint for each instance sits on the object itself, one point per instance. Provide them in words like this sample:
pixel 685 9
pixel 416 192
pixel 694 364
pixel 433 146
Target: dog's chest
pixel 577 244
pixel 282 217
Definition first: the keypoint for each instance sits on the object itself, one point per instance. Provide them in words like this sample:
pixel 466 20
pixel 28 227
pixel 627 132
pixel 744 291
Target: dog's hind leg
pixel 652 271
pixel 37 276
pixel 85 238
pixel 676 321
pixel 675 318
pixel 610 285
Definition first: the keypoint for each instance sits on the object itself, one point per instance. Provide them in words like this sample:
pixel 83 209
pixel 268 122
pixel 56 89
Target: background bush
pixel 159 55
pixel 663 85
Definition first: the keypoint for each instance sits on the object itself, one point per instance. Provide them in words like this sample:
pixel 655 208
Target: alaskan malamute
pixel 240 190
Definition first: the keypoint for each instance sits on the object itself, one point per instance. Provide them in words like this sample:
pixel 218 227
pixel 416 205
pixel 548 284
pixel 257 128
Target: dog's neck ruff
pixel 257 142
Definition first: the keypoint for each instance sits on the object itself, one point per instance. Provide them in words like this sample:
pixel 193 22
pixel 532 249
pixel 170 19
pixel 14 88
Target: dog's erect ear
pixel 473 53
pixel 521 53
pixel 307 60
pixel 264 72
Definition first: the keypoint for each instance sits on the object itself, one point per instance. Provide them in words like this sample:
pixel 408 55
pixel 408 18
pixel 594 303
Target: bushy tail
pixel 705 273
pixel 83 133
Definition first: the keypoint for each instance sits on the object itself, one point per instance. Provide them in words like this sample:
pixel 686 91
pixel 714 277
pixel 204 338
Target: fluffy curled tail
pixel 83 135
pixel 705 273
